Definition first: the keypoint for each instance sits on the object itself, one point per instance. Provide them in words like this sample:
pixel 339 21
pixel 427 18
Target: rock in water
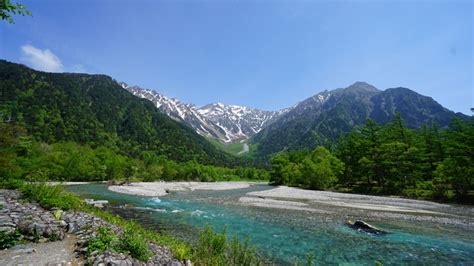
pixel 360 225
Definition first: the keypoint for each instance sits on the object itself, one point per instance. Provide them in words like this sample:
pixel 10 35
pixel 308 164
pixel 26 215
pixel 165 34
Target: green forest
pixel 23 157
pixel 95 110
pixel 79 127
pixel 388 160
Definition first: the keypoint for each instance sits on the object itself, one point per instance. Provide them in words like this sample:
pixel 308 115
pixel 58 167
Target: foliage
pixel 423 163
pixel 180 249
pixel 316 170
pixel 95 110
pixel 9 239
pixel 215 249
pixel 50 196
pixel 390 159
pixel 129 243
pixel 242 253
pixel 211 248
pixel 8 9
pixel 103 241
pixel 35 161
pixel 135 245
pixel 313 122
pixel 457 169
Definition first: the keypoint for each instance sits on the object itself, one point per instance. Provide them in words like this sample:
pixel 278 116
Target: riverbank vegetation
pixel 426 163
pixel 23 157
pixel 211 247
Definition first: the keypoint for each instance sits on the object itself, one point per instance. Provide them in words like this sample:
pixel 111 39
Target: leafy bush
pixel 50 196
pixel 129 243
pixel 242 253
pixel 134 244
pixel 179 248
pixel 11 183
pixel 102 242
pixel 8 240
pixel 214 249
pixel 211 247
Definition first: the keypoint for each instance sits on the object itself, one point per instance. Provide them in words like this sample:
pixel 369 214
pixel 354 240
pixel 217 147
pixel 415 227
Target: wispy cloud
pixel 43 60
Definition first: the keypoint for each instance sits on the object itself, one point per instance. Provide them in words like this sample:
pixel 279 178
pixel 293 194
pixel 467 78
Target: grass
pixel 212 248
pixel 128 243
pixel 51 196
pixel 54 197
pixel 232 148
pixel 8 240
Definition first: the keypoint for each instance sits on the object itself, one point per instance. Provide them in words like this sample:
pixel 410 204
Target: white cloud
pixel 43 60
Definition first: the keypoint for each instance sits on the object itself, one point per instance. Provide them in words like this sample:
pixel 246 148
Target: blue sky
pixel 263 54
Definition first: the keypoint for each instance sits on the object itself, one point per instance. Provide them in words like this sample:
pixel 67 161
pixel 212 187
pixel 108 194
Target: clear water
pixel 287 236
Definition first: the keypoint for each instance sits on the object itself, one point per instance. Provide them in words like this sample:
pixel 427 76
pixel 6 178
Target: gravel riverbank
pixel 157 189
pixel 356 205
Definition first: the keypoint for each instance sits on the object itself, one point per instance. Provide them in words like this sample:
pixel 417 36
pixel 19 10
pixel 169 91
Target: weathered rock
pixel 37 224
pixel 22 249
pixel 71 228
pixel 360 225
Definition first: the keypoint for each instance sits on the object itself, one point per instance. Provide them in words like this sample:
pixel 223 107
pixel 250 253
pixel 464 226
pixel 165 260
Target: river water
pixel 287 236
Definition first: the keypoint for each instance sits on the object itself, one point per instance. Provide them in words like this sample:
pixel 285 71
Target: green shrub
pixel 179 248
pixel 50 196
pixel 211 247
pixel 134 244
pixel 242 253
pixel 102 242
pixel 11 183
pixel 214 249
pixel 8 240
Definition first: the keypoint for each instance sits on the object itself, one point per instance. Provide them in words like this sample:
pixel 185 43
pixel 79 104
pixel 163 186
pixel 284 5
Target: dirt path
pixel 49 253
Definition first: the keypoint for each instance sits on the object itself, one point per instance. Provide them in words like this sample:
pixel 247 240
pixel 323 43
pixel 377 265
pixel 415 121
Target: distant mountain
pixel 96 110
pixel 328 115
pixel 239 122
pixel 228 123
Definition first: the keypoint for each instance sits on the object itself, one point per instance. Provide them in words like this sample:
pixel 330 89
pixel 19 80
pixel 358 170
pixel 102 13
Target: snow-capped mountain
pixel 239 122
pixel 228 123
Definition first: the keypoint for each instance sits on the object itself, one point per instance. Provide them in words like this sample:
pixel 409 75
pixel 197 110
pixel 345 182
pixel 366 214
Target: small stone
pixel 70 227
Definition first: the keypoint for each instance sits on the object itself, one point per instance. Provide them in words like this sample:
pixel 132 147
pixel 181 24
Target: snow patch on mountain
pixel 228 123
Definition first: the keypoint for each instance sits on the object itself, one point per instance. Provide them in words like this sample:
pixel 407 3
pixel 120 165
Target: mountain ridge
pixel 226 122
pixel 324 117
pixel 96 110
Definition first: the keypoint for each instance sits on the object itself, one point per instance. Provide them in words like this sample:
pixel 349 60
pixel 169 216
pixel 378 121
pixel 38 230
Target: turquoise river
pixel 287 236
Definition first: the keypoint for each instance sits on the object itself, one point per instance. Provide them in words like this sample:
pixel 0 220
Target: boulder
pixel 360 225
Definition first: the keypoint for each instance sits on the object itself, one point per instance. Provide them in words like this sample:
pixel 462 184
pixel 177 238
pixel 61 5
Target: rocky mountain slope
pixel 316 120
pixel 328 115
pixel 228 123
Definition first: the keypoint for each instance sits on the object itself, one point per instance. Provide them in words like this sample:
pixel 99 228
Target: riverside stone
pixel 41 225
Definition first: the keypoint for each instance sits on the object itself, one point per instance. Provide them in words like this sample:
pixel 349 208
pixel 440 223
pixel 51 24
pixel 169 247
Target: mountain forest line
pixel 78 127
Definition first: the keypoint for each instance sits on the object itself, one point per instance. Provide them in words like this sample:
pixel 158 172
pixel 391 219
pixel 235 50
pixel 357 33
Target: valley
pixel 239 133
pixel 322 118
pixel 290 180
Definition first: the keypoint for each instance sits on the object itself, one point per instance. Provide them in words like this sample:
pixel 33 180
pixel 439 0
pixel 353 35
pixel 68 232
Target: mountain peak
pixel 362 86
pixel 228 123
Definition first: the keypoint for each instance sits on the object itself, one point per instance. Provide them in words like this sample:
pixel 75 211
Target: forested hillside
pixel 95 110
pixel 325 117
pixel 389 160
